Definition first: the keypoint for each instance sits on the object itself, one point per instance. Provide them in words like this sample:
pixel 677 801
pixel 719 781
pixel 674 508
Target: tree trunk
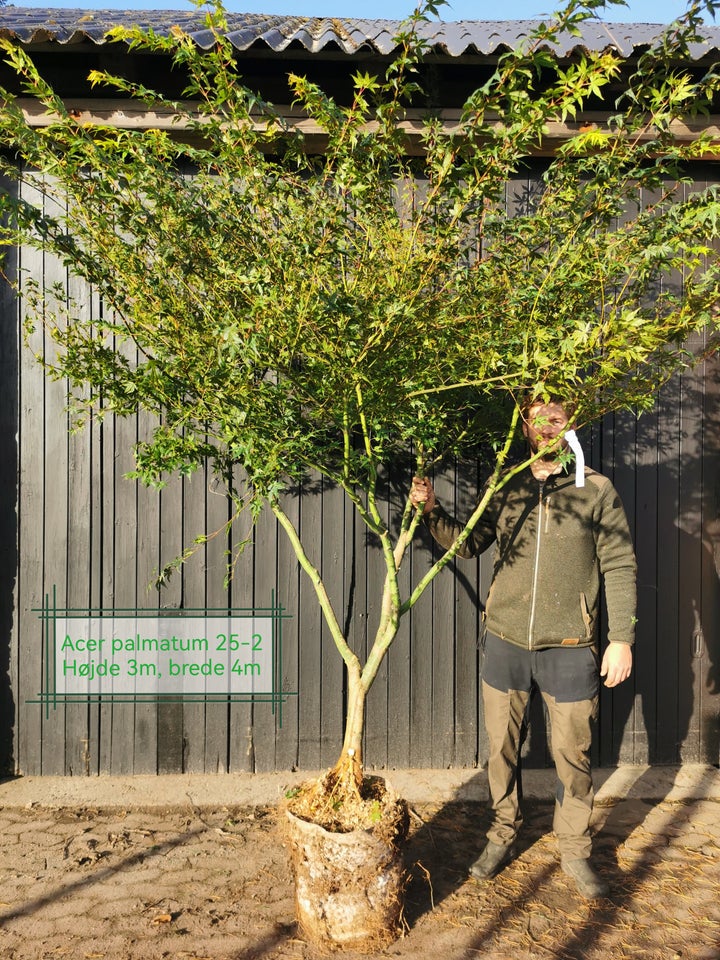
pixel 350 762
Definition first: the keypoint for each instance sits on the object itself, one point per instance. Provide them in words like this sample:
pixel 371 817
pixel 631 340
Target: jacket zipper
pixel 533 595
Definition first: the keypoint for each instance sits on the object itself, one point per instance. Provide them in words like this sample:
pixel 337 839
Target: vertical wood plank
pixel 10 345
pixel 669 667
pixel 379 699
pixel 624 719
pixel 709 644
pixel 467 632
pixel 332 721
pixel 80 559
pixel 31 431
pixel 262 720
pixel 396 681
pixel 690 534
pixel 310 629
pixel 645 661
pixel 123 583
pixel 289 575
pixel 147 560
pixel 107 469
pixel 194 598
pixel 709 712
pixel 421 647
pixel 98 557
pixel 446 587
pixel 241 743
pixel 170 745
pixel 217 514
pixel 55 506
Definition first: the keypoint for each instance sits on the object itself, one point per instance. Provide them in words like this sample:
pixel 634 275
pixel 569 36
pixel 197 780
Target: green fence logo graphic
pixel 141 655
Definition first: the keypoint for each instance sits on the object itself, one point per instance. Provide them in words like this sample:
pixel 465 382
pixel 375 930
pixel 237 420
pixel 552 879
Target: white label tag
pixel 574 445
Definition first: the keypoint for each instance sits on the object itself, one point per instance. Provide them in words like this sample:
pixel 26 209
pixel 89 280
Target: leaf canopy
pixel 287 311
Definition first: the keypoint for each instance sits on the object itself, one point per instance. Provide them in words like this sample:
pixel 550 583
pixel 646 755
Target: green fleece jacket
pixel 555 542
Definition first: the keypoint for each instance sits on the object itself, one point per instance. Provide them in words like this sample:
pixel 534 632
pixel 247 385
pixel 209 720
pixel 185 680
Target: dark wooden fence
pixel 70 520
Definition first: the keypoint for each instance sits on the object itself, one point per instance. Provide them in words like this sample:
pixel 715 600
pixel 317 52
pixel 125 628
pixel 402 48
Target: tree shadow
pixel 268 944
pixel 441 850
pixel 666 468
pixel 30 907
pixel 622 821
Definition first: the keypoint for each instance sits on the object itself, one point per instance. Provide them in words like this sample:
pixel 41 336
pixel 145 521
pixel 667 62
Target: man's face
pixel 541 425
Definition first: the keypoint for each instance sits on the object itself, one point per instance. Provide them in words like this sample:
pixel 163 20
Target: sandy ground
pixel 189 882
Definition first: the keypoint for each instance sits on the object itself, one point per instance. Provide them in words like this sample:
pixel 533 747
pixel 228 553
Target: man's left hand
pixel 616 665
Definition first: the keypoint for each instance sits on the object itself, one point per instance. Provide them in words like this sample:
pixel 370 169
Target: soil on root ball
pixel 347 863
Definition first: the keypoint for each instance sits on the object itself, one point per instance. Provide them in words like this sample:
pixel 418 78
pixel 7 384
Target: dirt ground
pixel 187 883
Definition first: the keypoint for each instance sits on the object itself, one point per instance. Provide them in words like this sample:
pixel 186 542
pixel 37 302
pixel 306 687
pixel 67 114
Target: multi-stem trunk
pixel 359 681
pixel 349 766
pixel 348 771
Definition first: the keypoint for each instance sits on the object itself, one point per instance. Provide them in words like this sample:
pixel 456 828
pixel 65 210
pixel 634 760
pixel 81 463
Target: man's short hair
pixel 531 399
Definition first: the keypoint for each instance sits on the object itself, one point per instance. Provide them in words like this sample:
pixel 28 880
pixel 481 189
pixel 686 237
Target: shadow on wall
pixel 666 467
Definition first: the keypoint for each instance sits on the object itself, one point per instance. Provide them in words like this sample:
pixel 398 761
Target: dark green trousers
pixel 567 679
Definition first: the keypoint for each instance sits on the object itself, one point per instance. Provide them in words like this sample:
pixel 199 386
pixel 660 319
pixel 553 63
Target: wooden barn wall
pixel 71 520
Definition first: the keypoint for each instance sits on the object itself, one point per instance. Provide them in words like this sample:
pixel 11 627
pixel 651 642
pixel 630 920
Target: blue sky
pixel 636 11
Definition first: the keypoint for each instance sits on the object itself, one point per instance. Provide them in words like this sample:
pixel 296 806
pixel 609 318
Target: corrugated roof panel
pixel 246 31
pixel 454 39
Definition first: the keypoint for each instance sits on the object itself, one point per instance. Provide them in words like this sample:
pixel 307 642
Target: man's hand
pixel 422 492
pixel 616 665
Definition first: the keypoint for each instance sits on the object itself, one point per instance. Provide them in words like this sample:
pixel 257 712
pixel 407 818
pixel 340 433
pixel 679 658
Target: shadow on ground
pixel 532 905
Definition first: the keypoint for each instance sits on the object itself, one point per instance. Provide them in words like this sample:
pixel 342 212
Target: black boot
pixel 493 858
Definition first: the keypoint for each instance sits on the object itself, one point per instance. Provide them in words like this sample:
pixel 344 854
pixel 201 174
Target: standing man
pixel 557 533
